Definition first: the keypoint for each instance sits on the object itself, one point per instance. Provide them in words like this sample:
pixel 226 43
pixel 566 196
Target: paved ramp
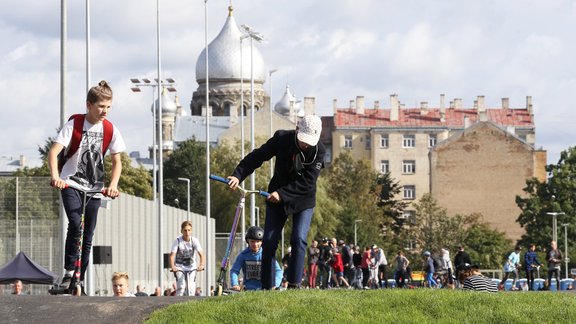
pixel 81 310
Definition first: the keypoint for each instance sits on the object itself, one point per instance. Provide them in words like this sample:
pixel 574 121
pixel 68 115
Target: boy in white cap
pixel 299 159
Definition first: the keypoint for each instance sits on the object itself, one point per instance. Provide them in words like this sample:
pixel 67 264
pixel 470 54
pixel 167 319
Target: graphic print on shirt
pixel 90 163
pixel 253 268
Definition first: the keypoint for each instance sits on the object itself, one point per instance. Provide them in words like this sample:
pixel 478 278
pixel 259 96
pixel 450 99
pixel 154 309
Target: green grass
pixel 374 306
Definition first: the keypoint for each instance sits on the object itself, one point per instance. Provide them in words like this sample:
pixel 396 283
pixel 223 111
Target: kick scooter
pixel 226 260
pixel 186 274
pixel 75 287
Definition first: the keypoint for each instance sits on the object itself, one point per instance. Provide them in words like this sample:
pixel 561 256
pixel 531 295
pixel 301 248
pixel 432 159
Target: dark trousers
pixel 530 277
pixel 275 220
pixel 72 200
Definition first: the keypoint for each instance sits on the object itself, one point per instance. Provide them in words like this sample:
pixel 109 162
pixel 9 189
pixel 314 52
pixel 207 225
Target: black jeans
pixel 72 200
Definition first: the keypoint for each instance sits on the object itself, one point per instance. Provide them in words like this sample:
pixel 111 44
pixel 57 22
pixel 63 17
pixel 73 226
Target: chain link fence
pixel 30 223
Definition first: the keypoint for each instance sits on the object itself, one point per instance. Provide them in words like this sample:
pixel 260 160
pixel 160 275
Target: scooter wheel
pixel 218 290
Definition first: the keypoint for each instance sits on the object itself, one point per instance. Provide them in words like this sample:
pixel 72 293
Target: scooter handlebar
pixel 224 180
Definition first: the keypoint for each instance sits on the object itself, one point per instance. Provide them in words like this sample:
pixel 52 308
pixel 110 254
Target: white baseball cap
pixel 309 129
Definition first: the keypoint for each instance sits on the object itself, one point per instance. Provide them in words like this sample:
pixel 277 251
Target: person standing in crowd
pixel 428 267
pixel 338 267
pixel 121 284
pixel 381 263
pixel 461 258
pixel 86 135
pixel 402 264
pixel 346 252
pixel 447 282
pixel 366 265
pixel 531 264
pixel 313 253
pixel 17 287
pixel 554 259
pixel 299 159
pixel 183 260
pixel 511 267
pixel 357 261
pixel 324 263
pixel 472 279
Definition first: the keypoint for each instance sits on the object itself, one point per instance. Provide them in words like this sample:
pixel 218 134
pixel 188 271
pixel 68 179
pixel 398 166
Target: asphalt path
pixel 81 310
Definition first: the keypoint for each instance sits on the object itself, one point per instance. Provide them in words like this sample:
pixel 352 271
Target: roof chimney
pixel 529 105
pixel 335 105
pixel 442 108
pixel 505 103
pixel 352 104
pixel 309 106
pixel 394 107
pixel 423 108
pixel 458 103
pixel 376 104
pixel 360 105
pixel 22 161
pixel 481 104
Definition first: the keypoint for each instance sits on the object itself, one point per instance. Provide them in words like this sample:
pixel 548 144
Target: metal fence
pixel 30 223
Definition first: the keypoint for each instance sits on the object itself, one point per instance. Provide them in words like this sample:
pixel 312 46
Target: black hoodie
pixel 294 181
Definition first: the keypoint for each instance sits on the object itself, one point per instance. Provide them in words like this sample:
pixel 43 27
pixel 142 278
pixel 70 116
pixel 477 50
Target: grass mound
pixel 354 306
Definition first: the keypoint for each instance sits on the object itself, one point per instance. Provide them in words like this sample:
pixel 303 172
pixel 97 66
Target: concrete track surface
pixel 81 310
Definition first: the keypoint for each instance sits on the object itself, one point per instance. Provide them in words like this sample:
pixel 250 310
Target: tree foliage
pixel 557 194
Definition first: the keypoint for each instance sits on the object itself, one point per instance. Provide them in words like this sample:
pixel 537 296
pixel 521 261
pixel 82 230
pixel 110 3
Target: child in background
pixel 338 266
pixel 183 261
pixel 120 284
pixel 250 262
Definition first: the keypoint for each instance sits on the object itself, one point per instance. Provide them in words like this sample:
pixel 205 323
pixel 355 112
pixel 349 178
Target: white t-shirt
pixel 88 162
pixel 185 250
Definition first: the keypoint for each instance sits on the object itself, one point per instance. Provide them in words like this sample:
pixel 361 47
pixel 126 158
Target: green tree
pixel 486 246
pixel 558 194
pixel 351 186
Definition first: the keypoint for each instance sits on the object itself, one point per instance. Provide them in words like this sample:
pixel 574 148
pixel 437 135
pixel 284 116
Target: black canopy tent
pixel 26 270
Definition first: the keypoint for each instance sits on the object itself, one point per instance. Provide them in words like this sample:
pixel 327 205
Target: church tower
pixel 229 73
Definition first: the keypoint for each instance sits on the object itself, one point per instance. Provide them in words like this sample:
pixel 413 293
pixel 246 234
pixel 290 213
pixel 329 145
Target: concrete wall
pixel 481 171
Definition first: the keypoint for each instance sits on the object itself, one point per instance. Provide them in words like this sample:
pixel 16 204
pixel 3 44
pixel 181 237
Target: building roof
pixel 412 117
pixel 224 56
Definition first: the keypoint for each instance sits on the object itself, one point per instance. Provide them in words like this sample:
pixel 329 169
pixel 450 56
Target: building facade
pixel 406 143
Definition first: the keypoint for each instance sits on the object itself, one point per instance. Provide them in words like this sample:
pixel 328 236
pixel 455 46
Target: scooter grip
pixel 264 193
pixel 217 178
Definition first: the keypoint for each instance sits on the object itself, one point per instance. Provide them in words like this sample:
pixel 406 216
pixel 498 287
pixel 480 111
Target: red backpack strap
pixel 76 134
pixel 108 133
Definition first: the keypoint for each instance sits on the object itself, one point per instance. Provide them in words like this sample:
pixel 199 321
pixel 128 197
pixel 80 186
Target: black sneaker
pixel 82 292
pixel 66 281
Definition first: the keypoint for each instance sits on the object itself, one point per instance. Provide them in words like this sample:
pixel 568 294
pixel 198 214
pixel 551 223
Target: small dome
pixel 283 105
pixel 168 105
pixel 224 56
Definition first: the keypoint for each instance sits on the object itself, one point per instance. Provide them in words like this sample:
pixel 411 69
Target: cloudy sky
pixel 322 48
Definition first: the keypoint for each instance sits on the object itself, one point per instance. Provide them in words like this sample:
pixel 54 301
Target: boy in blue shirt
pixel 250 262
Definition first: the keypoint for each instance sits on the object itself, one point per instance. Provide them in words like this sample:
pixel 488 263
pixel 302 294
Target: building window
pixel 409 166
pixel 368 142
pixel 409 141
pixel 432 140
pixel 347 141
pixel 409 192
pixel 385 166
pixel 384 141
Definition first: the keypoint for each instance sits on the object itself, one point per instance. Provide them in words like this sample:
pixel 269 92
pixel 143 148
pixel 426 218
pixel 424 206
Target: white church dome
pixel 224 56
pixel 168 105
pixel 283 105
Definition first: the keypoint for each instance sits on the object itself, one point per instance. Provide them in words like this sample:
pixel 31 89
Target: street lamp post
pixel 566 259
pixel 355 233
pixel 555 224
pixel 207 99
pixel 188 187
pixel 254 35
